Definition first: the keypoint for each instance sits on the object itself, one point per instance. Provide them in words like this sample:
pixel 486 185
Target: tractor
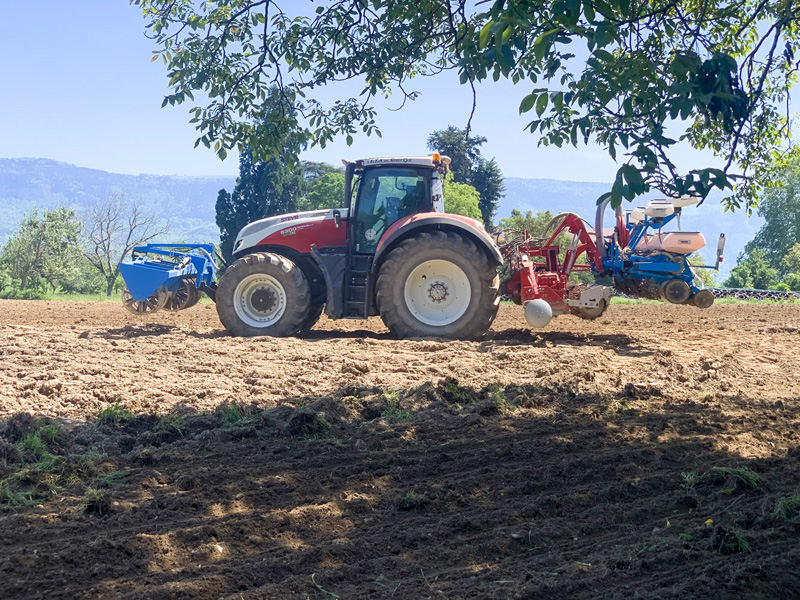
pixel 390 251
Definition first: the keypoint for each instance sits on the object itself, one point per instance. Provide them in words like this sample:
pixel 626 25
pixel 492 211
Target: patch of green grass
pixel 788 507
pixel 115 415
pixel 391 395
pixel 755 301
pixel 624 300
pixel 49 433
pixel 95 501
pixel 49 475
pixel 169 424
pixel 112 479
pixel 391 410
pixel 9 497
pixel 730 542
pixel 84 297
pixel 232 415
pixel 621 406
pixel 48 463
pixel 86 465
pixel 736 478
pixel 452 387
pixel 413 495
pixel 686 537
pixel 690 479
pixel 32 448
pixel 497 393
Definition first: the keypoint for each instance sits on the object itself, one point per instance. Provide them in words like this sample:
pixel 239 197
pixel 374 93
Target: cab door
pixel 384 195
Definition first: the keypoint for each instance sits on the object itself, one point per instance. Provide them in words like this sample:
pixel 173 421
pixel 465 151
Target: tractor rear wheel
pixel 314 313
pixel 438 284
pixel 263 294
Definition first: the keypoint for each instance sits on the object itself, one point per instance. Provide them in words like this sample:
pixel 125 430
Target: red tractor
pixel 391 251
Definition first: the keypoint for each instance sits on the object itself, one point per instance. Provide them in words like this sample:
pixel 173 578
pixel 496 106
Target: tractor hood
pixel 257 232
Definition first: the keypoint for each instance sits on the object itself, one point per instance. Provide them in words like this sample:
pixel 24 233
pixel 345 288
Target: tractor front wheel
pixel 263 294
pixel 438 284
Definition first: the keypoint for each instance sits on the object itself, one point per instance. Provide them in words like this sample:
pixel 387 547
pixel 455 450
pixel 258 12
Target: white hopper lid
pixel 684 201
pixel 636 215
pixel 659 209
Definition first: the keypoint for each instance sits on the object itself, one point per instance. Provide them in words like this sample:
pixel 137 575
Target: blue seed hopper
pixel 168 276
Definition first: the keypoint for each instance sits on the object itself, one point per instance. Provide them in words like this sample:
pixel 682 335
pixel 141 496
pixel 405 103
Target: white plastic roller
pixel 538 313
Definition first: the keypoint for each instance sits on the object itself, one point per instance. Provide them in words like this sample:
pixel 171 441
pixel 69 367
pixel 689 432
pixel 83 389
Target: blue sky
pixel 79 87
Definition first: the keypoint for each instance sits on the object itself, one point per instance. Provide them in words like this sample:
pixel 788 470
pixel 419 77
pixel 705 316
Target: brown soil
pixel 581 461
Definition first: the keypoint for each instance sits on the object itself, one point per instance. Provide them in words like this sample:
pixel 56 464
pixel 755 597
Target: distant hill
pixel 188 202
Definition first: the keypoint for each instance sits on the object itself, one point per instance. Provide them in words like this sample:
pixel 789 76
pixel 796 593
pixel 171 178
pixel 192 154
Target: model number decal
pixel 292 230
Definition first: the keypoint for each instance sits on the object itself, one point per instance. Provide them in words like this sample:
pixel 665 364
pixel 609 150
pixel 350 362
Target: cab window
pixel 384 196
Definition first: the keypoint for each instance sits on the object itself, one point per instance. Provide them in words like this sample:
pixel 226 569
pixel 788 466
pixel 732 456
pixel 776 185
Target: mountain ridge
pixel 188 201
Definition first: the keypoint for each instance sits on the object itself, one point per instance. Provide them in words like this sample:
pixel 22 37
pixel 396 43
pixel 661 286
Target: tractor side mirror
pixel 720 249
pixel 337 218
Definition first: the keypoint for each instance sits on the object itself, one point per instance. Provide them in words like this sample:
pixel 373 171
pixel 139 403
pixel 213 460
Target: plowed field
pixel 653 453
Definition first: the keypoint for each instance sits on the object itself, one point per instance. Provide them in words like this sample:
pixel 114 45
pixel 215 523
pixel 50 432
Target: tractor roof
pixel 434 161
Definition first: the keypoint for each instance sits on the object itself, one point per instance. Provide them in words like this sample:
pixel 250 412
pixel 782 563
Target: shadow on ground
pixel 439 491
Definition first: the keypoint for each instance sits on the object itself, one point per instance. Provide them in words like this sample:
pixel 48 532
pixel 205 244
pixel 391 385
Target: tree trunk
pixel 110 285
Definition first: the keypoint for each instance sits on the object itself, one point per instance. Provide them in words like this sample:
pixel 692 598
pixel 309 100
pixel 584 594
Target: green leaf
pixel 541 104
pixel 588 10
pixel 485 35
pixel 527 103
pixel 634 178
pixel 542 43
pixel 602 198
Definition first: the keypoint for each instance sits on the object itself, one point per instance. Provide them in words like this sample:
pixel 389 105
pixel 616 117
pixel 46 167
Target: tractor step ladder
pixel 355 292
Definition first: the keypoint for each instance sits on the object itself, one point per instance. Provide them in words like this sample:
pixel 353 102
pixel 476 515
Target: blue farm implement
pixel 646 261
pixel 168 276
pixel 637 255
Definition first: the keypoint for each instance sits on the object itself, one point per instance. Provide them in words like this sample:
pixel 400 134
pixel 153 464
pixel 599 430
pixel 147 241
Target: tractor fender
pixel 402 228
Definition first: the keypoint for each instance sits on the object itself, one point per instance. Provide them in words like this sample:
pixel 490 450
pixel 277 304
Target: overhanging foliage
pixel 634 76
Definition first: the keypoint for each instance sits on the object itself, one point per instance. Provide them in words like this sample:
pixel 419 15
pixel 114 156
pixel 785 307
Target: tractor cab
pixel 385 190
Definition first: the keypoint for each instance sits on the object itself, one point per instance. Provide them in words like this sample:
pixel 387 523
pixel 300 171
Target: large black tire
pixel 263 294
pixel 438 284
pixel 314 314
